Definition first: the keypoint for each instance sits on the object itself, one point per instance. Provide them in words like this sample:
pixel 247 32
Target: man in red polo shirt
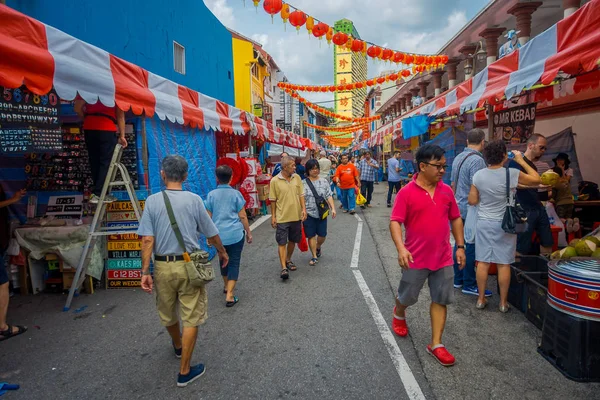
pixel 424 207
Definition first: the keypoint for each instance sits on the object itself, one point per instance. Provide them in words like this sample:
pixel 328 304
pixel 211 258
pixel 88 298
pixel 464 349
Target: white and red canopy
pixel 42 57
pixel 571 46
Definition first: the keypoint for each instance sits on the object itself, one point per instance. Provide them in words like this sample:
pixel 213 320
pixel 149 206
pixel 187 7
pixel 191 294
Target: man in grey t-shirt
pixel 464 167
pixel 172 283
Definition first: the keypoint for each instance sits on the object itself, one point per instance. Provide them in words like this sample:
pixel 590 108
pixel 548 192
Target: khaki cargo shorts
pixel 172 288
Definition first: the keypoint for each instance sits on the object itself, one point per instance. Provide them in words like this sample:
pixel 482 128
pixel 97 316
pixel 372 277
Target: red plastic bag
pixel 303 245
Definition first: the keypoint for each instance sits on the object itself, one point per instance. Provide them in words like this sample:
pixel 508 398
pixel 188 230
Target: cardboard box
pixel 68 279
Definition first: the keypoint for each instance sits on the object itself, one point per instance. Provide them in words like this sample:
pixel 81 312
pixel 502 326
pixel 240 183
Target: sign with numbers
pixel 29 122
pixel 65 206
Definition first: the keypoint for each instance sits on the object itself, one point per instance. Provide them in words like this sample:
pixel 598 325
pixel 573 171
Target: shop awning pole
pixel 145 154
pixel 490 112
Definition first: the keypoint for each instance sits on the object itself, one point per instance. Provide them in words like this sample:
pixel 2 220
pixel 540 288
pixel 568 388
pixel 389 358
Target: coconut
pixel 596 254
pixel 585 248
pixel 567 253
pixel 574 242
pixel 550 178
pixel 555 255
pixel 593 239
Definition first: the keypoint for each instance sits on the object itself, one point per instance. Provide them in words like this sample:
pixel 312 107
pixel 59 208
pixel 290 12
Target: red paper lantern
pixel 437 60
pixel 398 57
pixel 357 45
pixel 323 89
pixel 380 80
pixel 349 87
pixel 329 35
pixel 405 73
pixel 309 88
pixel 359 85
pixel 297 19
pixel 371 82
pixel 393 77
pixel 428 60
pixel 419 60
pixel 409 59
pixel 273 7
pixel 332 88
pixel 340 87
pixel 320 29
pixel 387 54
pixel 374 51
pixel 445 59
pixel 301 88
pixel 340 39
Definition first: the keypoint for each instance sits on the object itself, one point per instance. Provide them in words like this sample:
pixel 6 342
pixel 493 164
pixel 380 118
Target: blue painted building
pixel 147 33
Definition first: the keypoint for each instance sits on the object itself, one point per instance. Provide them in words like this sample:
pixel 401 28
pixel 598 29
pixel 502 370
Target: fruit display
pixel 588 246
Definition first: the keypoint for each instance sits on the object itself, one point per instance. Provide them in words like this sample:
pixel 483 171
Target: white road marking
pixel 413 390
pixel 357 239
pixel 259 222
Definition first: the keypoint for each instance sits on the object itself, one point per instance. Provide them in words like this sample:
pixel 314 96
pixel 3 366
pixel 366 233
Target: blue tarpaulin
pixel 197 146
pixel 415 126
pixel 453 141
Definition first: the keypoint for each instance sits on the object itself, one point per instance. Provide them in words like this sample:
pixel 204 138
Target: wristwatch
pixel 460 246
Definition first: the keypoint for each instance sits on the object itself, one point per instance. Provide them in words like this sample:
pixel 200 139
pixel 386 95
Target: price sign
pixel 65 206
pixel 29 122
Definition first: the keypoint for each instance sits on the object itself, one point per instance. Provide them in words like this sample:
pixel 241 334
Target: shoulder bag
pixel 322 205
pixel 515 218
pixel 198 266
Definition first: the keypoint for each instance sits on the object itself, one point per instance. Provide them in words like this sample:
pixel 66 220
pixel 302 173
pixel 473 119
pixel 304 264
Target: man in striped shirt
pixel 368 168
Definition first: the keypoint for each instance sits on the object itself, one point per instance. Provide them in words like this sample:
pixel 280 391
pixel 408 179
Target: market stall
pixel 42 71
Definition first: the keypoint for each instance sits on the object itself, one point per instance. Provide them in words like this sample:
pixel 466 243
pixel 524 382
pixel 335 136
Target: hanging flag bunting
pixel 349 128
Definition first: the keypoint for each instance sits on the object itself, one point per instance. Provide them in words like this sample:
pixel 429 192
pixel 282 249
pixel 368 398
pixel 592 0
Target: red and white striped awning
pixel 571 46
pixel 42 57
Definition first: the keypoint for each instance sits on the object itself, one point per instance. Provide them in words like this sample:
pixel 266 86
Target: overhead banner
pixel 515 125
pixel 387 144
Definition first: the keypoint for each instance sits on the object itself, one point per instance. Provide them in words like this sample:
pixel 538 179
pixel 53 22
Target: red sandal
pixel 441 354
pixel 399 326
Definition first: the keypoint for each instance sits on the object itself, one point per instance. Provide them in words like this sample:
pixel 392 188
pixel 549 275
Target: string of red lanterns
pixel 318 29
pixel 393 77
pixel 326 112
pixel 345 129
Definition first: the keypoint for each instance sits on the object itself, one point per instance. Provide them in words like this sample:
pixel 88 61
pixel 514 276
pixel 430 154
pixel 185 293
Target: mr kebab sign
pixel 515 125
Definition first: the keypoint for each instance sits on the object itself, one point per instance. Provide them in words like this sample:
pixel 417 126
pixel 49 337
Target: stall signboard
pixel 514 125
pixel 123 283
pixel 387 144
pixel 65 206
pixel 29 122
pixel 124 246
pixel 124 263
pixel 125 274
pixel 258 110
pixel 121 216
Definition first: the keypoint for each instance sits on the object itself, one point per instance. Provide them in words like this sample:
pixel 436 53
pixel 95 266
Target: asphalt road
pixel 324 334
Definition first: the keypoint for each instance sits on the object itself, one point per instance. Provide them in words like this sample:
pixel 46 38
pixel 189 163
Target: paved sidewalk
pixel 496 353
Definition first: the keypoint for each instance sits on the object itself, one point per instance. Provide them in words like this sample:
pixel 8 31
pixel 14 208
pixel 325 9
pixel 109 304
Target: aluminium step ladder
pixel 117 176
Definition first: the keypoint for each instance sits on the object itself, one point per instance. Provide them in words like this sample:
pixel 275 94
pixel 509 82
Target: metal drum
pixel 574 287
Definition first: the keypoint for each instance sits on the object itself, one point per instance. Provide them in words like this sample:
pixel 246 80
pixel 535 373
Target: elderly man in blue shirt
pixel 469 161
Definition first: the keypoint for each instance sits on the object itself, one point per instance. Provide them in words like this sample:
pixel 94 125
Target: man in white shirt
pixel 324 166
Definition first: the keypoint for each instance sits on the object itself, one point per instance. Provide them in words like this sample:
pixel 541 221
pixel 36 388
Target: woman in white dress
pixel 492 244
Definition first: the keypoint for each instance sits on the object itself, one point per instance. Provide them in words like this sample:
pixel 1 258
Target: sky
pixel 420 26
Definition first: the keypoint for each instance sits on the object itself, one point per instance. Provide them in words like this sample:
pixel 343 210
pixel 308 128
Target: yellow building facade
pixel 252 77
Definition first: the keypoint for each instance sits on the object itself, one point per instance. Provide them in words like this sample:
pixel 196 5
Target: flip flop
pixel 232 303
pixel 313 262
pixel 284 274
pixel 8 333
